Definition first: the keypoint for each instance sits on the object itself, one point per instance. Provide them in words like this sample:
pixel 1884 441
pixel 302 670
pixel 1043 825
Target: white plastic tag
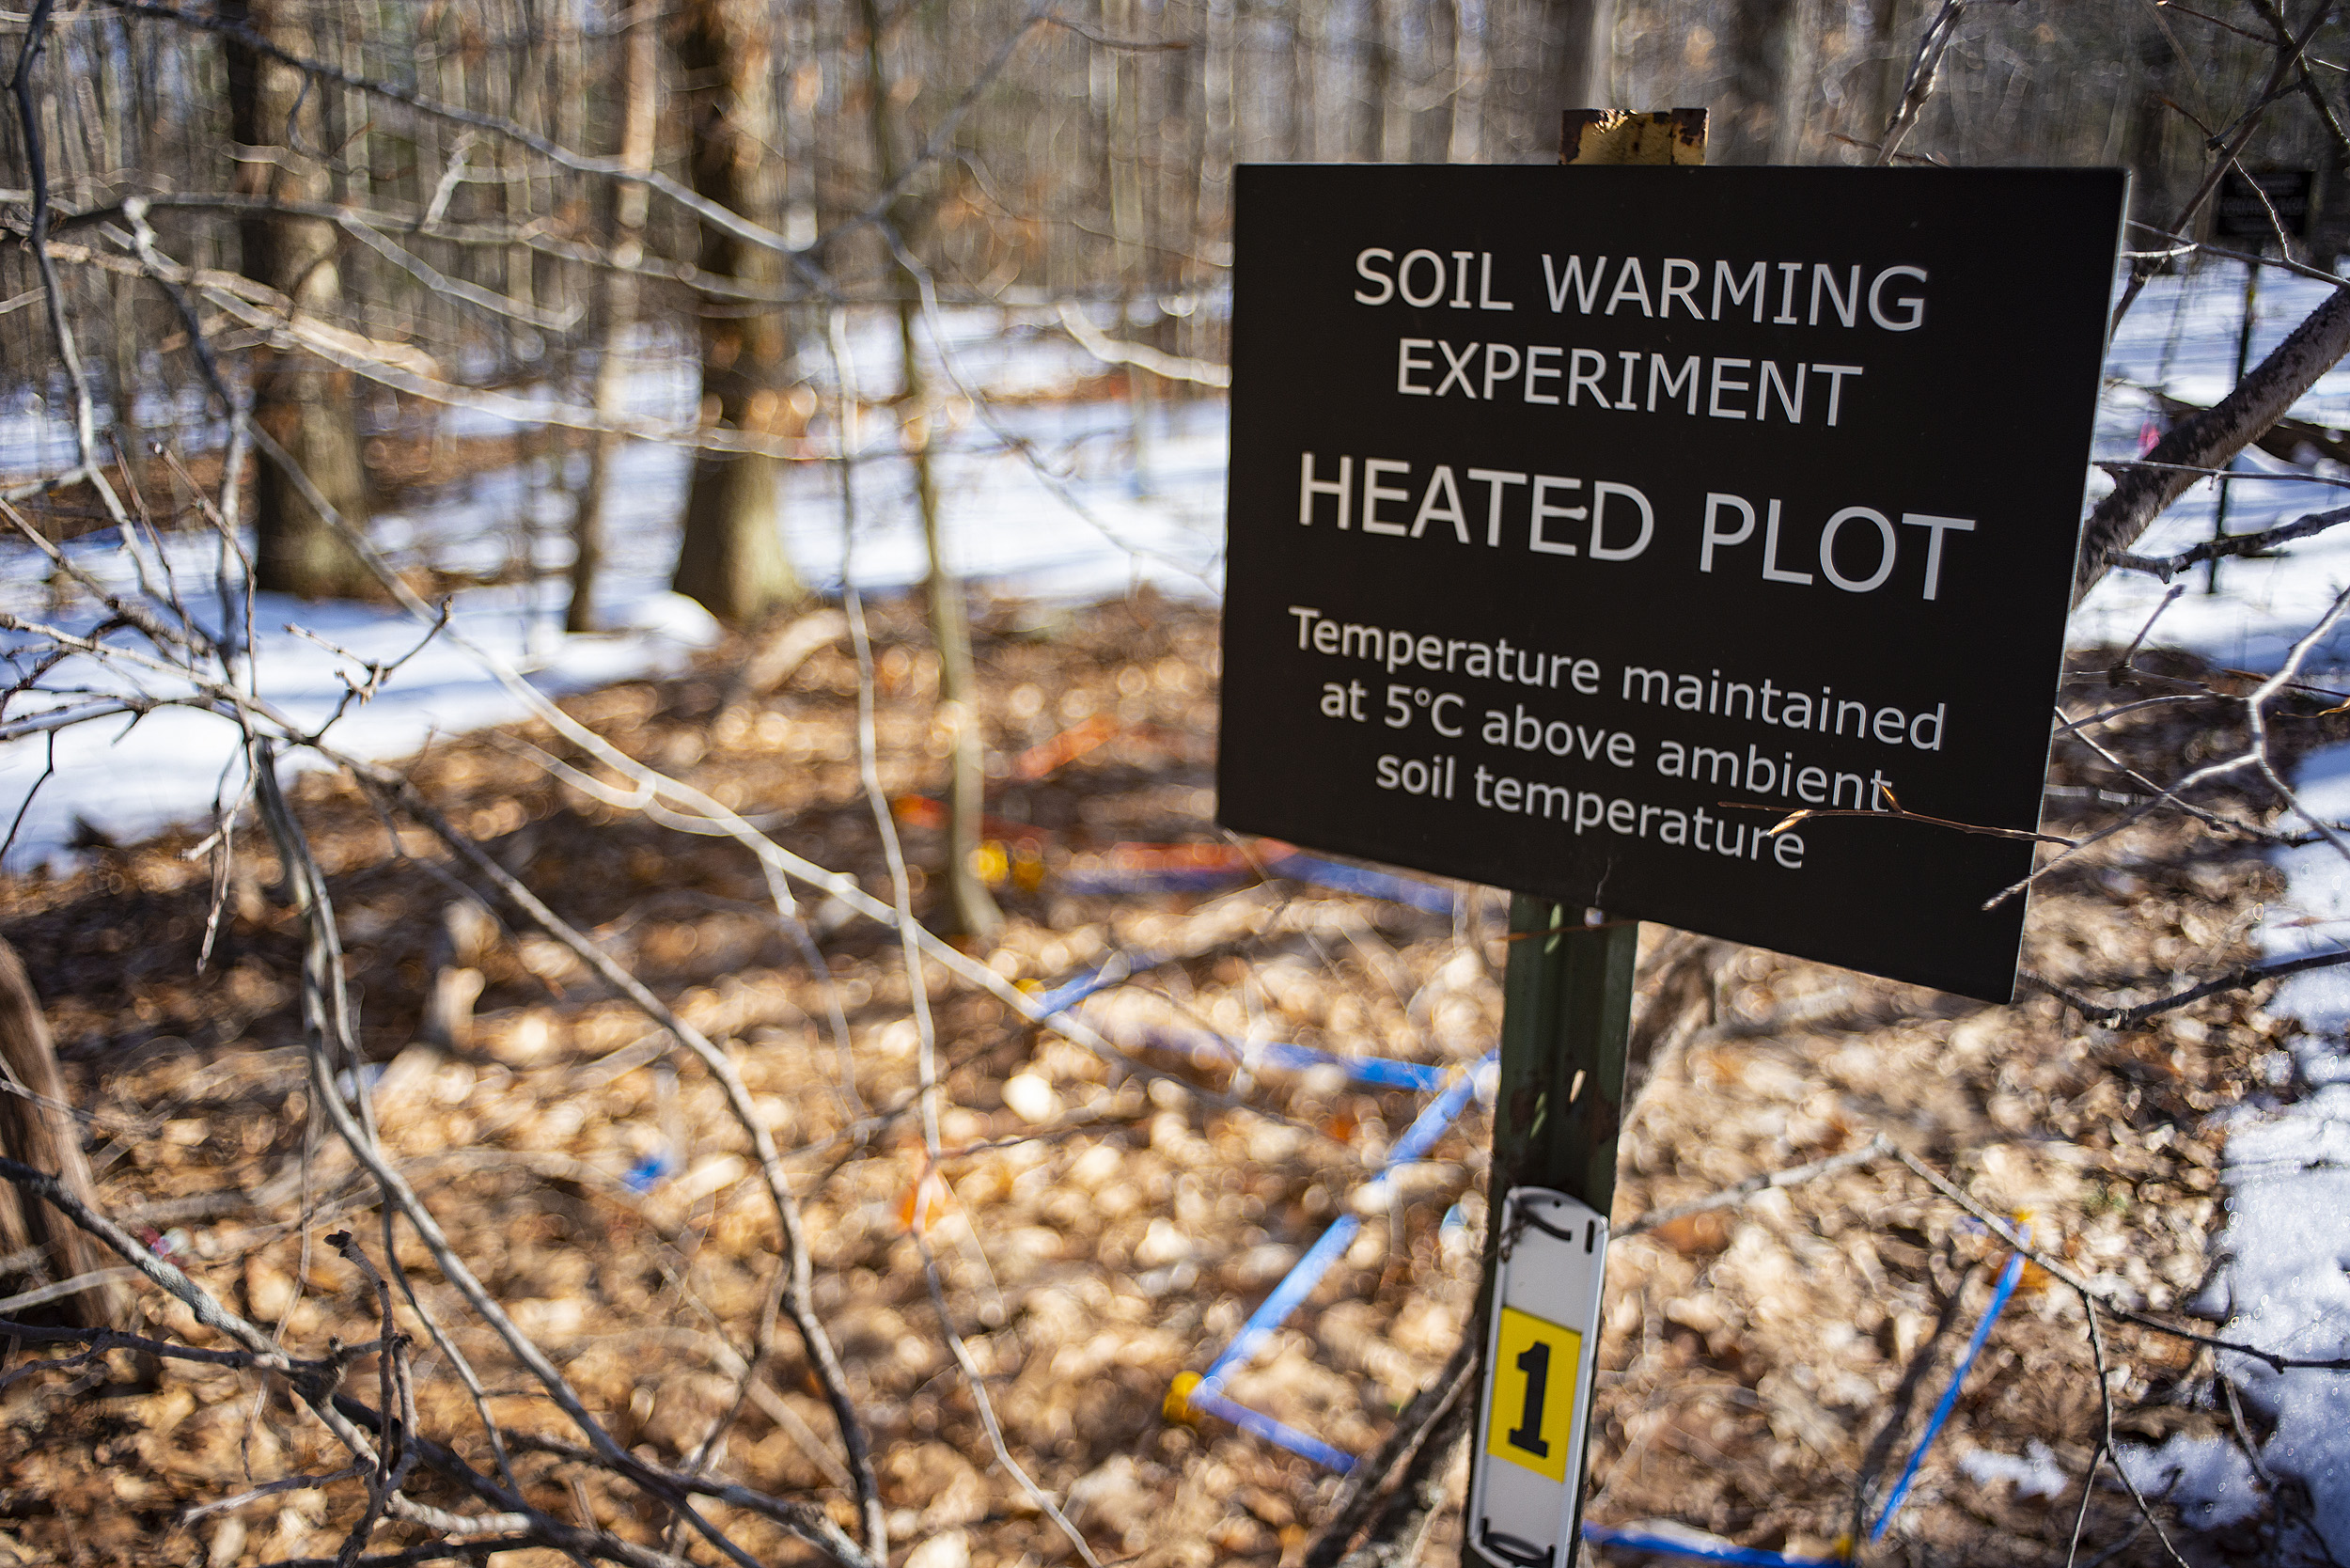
pixel 1539 1353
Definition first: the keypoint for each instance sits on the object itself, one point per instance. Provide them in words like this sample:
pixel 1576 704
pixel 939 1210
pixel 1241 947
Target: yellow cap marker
pixel 1177 1406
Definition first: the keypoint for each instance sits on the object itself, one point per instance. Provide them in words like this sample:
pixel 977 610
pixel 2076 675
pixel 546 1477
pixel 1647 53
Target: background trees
pixel 442 189
pixel 1092 162
pixel 507 239
pixel 285 244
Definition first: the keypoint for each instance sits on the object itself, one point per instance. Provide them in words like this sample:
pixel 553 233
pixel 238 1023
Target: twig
pixel 1397 1536
pixel 1895 813
pixel 101 1340
pixel 2118 468
pixel 2239 979
pixel 1925 68
pixel 1852 1159
pixel 396 1458
pixel 805 1520
pixel 63 1288
pixel 2182 245
pixel 2237 137
pixel 2167 566
pixel 2007 1233
pixel 2105 1403
pixel 545 1528
pixel 479 1550
pixel 885 829
pixel 976 1383
pixel 268 1489
pixel 823 1362
pixel 1360 1493
pixel 327 1016
pixel 2089 1490
pixel 2113 674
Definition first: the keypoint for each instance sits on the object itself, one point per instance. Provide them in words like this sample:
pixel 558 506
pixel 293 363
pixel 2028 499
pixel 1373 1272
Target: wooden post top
pixel 1591 136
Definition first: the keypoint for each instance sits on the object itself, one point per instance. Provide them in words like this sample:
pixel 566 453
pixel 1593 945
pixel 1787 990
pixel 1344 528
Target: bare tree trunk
pixel 2152 126
pixel 731 557
pixel 1583 34
pixel 970 908
pixel 1467 142
pixel 1125 174
pixel 124 377
pixel 1770 60
pixel 639 68
pixel 1305 44
pixel 1379 88
pixel 1220 133
pixel 120 111
pixel 37 1129
pixel 305 405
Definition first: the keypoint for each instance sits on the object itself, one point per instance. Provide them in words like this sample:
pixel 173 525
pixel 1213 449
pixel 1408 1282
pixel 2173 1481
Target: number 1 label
pixel 1533 1399
pixel 1539 1368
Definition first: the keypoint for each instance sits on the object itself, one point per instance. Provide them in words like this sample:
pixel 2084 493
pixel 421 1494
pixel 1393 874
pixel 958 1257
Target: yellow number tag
pixel 1533 1400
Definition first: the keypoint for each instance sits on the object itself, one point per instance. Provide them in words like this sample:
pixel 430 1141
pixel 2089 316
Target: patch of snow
pixel 2284 1281
pixel 2181 337
pixel 1087 529
pixel 2034 1472
pixel 678 618
pixel 2207 1479
pixel 2313 917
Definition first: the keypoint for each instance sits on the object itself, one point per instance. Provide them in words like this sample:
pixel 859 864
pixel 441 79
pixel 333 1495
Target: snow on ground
pixel 2034 1473
pixel 2207 1479
pixel 1090 533
pixel 2288 1238
pixel 2285 1283
pixel 2181 339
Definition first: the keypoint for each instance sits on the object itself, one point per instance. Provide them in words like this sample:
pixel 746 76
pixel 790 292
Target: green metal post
pixel 1566 1031
pixel 1566 1011
pixel 1565 1023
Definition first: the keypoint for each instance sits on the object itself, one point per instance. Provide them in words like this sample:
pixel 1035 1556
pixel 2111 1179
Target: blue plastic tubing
pixel 1379 1071
pixel 1608 1535
pixel 1291 1293
pixel 1296 868
pixel 2008 1279
pixel 1258 1424
pixel 1356 879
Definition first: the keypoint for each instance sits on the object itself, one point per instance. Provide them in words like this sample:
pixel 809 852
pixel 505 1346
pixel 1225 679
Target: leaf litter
pixel 1101 1226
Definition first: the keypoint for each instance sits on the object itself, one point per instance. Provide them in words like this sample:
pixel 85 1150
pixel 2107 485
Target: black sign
pixel 1587 523
pixel 2254 206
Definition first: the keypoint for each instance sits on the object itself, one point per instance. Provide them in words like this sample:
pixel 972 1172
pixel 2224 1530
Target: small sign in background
pixel 2253 206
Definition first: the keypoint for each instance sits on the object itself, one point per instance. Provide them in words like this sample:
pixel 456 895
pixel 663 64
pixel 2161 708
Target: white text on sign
pixel 1858 549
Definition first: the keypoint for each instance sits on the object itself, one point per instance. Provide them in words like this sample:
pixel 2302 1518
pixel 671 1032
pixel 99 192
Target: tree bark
pixel 639 69
pixel 305 405
pixel 732 558
pixel 1583 45
pixel 971 910
pixel 36 1130
pixel 1466 141
pixel 1221 132
pixel 1374 139
pixel 1305 124
pixel 1770 68
pixel 2213 437
pixel 1126 226
pixel 2153 125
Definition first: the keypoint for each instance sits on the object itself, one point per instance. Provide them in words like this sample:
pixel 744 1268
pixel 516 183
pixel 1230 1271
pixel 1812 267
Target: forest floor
pixel 1103 1229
